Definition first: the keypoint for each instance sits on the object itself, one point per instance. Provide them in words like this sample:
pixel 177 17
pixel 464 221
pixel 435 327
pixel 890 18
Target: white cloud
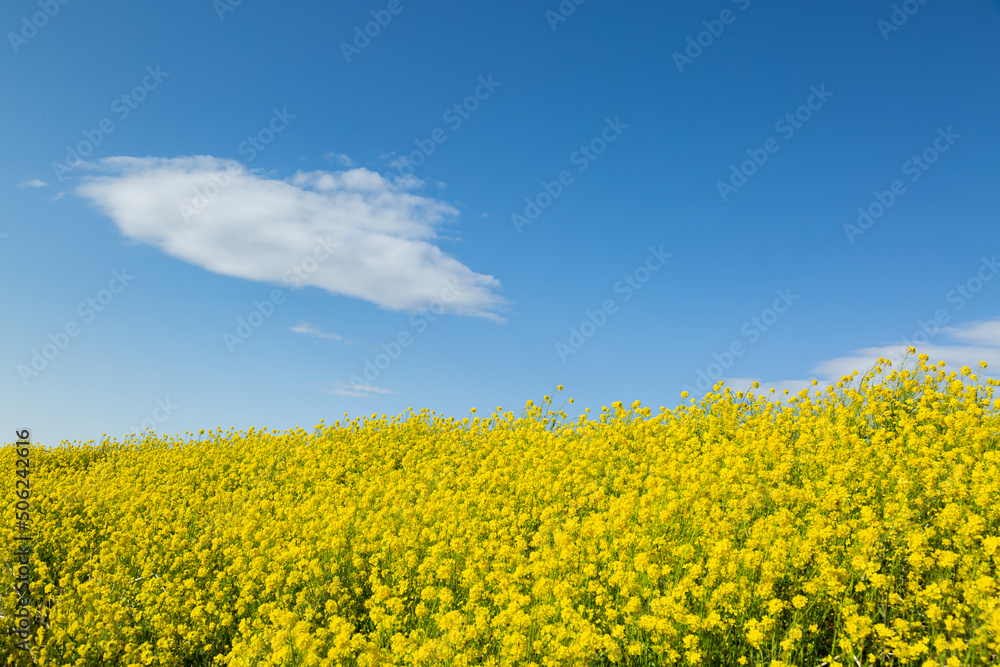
pixel 33 183
pixel 373 239
pixel 339 158
pixel 964 345
pixel 985 333
pixel 310 330
pixel 357 391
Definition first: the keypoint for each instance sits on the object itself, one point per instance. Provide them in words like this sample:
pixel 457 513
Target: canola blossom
pixel 855 526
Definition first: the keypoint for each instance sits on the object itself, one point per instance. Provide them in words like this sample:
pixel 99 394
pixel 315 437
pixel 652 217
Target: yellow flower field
pixel 858 526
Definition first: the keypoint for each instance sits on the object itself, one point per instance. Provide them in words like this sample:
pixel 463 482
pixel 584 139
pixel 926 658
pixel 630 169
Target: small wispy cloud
pixel 357 391
pixel 310 330
pixel 395 161
pixel 59 196
pixel 33 183
pixel 339 158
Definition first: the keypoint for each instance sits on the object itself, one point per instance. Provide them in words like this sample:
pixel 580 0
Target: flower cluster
pixel 860 525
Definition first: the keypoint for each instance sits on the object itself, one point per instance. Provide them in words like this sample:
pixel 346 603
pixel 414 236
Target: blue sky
pixel 263 214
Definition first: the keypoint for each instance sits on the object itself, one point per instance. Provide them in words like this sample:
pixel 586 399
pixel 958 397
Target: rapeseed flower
pixel 855 526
